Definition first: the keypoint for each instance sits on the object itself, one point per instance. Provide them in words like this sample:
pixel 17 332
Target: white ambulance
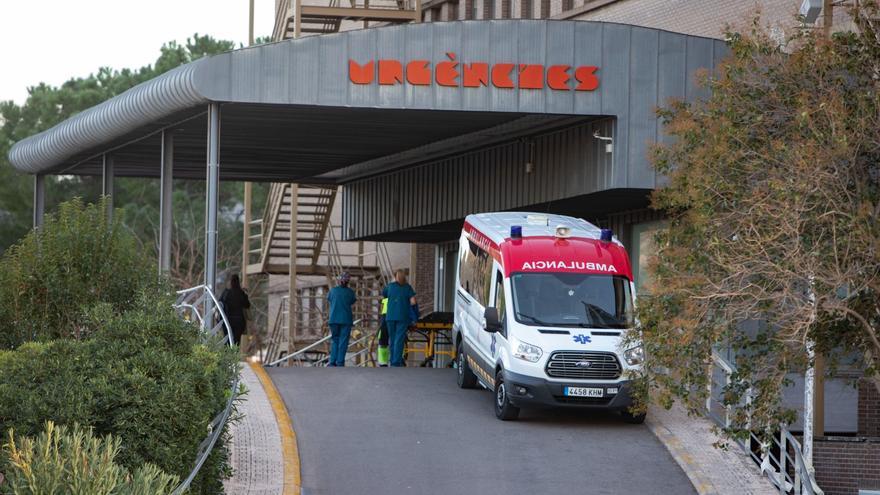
pixel 542 305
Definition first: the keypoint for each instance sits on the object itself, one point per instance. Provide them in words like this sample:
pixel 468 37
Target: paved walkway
pixel 712 471
pixel 255 452
pixel 361 407
pixel 413 431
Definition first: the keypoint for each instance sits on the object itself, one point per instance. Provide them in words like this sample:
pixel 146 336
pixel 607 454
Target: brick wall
pixel 869 409
pixel 703 18
pixel 846 465
pixel 424 285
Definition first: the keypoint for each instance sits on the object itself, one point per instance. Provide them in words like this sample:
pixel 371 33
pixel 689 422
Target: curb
pixel 289 450
pixel 683 458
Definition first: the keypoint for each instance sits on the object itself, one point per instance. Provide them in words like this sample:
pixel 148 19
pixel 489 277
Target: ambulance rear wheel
pixel 504 410
pixel 466 377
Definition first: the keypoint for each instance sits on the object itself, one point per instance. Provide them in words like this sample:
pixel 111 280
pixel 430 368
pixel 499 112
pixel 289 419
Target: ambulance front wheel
pixel 466 377
pixel 504 410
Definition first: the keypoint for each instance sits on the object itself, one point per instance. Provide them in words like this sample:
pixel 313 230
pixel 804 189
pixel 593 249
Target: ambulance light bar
pixel 606 235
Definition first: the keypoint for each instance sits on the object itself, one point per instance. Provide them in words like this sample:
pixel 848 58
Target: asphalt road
pixel 413 431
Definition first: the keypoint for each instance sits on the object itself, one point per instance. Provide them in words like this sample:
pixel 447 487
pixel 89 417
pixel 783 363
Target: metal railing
pixel 781 459
pixel 199 305
pixel 360 357
pixel 301 356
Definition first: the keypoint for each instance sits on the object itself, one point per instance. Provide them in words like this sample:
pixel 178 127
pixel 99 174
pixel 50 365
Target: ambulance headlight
pixel 528 352
pixel 634 356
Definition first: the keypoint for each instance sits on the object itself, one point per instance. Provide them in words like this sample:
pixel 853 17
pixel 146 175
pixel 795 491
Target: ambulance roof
pixel 540 250
pixel 496 226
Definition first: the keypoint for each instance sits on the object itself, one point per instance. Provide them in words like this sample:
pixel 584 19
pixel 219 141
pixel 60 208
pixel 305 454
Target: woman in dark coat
pixel 235 301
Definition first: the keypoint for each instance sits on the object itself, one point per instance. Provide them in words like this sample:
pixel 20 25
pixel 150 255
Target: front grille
pixel 602 365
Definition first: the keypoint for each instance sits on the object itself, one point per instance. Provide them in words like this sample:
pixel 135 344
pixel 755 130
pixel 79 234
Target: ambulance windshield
pixel 572 299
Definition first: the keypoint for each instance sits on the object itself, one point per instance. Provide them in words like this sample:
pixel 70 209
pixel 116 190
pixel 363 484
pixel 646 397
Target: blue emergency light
pixel 606 235
pixel 516 231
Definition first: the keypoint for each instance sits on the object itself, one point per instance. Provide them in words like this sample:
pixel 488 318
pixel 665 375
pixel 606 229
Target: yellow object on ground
pixel 289 450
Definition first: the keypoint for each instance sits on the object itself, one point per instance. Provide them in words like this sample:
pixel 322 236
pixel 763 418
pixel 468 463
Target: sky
pixel 52 40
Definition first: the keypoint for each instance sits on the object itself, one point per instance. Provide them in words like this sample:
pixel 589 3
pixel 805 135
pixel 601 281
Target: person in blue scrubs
pixel 401 298
pixel 341 319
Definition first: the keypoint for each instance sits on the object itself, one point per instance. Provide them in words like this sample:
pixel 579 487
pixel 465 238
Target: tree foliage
pixel 138 199
pixel 774 203
pixel 75 261
pixel 95 341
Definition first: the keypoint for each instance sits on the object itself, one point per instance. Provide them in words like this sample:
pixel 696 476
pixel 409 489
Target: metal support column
pixel 165 210
pixel 293 300
pixel 211 200
pixel 246 230
pixel 39 199
pixel 107 183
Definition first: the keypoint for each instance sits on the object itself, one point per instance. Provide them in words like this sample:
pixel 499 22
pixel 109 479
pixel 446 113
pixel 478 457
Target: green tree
pixel 46 106
pixel 774 232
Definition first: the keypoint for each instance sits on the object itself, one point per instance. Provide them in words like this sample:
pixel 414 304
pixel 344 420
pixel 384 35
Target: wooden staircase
pixel 313 207
pixel 319 255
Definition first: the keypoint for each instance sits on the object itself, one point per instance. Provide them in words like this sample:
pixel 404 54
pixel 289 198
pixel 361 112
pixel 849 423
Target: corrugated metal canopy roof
pixel 283 143
pixel 289 111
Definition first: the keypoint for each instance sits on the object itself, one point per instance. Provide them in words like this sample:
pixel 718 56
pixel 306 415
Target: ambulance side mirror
pixel 490 320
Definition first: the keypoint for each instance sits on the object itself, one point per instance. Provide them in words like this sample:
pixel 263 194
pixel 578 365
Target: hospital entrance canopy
pixel 334 108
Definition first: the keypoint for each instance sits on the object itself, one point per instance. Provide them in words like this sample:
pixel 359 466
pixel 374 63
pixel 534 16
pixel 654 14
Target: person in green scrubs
pixel 401 298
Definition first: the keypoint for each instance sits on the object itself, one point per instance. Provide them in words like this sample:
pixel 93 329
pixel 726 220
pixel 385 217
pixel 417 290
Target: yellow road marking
pixel 289 450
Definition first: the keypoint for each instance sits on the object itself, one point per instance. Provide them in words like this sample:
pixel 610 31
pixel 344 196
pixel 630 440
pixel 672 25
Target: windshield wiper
pixel 533 319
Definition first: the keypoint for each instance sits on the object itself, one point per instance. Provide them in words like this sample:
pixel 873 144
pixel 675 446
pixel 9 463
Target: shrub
pixel 74 261
pixel 142 375
pixel 74 462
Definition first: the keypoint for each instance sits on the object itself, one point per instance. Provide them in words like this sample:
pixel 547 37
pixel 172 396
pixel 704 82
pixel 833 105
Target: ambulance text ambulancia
pixel 542 306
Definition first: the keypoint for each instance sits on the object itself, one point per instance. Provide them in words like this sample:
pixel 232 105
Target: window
pixel 489 9
pixel 499 298
pixel 527 9
pixel 475 271
pixel 572 299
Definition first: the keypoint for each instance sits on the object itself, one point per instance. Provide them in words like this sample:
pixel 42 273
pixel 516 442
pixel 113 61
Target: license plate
pixel 584 392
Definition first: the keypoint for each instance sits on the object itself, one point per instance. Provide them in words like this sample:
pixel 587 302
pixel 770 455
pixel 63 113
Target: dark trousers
pixel 339 335
pixel 239 326
pixel 396 340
